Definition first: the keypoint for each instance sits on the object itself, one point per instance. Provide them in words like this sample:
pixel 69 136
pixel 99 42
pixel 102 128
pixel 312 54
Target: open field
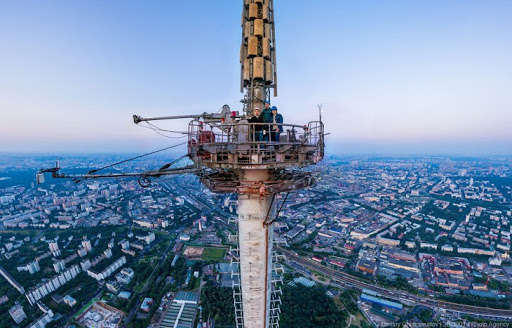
pixel 213 254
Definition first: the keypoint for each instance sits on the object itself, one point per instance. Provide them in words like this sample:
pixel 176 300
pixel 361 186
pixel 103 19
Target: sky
pixel 394 77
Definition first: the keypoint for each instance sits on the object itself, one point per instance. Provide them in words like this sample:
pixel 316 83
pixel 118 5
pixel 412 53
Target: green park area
pixel 213 254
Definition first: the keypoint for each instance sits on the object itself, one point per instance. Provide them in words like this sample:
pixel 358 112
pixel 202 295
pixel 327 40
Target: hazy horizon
pixel 394 78
pixel 341 149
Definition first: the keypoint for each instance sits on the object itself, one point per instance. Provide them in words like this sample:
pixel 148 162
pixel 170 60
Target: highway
pixel 346 279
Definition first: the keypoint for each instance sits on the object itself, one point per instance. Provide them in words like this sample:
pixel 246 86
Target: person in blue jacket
pixel 276 125
pixel 266 117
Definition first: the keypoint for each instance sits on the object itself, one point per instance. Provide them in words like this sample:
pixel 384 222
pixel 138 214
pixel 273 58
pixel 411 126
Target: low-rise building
pixel 17 313
pixel 146 304
pixel 69 300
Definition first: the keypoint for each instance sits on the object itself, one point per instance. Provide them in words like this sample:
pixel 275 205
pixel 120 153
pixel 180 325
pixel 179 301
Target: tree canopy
pixel 306 307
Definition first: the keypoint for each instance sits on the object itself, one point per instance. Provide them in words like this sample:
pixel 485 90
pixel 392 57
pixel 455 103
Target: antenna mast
pixel 258 53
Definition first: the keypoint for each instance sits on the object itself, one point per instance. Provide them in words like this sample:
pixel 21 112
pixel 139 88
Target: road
pixel 204 206
pixel 137 303
pixel 346 279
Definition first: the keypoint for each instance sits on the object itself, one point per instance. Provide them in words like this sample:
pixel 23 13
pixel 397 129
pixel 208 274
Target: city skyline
pixel 400 78
pixel 418 238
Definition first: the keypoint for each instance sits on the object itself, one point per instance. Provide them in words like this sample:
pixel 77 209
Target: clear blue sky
pixel 393 76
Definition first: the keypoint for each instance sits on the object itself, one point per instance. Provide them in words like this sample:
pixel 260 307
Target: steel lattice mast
pixel 258 53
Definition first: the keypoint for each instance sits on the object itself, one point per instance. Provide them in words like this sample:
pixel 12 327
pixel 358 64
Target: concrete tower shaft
pixel 255 252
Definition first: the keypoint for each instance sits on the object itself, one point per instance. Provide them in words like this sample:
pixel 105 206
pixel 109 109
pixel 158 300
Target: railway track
pixel 346 279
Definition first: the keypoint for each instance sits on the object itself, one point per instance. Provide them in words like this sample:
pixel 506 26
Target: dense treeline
pixel 477 301
pixel 218 303
pixel 348 302
pixel 306 307
pixel 302 307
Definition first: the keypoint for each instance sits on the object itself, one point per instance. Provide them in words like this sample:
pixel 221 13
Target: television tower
pixel 236 161
pixel 230 157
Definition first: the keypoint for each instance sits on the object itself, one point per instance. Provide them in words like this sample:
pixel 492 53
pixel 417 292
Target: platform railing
pixel 201 133
pixel 255 144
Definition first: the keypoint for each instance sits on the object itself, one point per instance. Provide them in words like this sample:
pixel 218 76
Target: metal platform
pixel 244 145
pixel 227 181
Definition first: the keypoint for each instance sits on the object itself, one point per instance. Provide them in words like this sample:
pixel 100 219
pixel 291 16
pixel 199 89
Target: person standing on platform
pixel 277 125
pixel 256 130
pixel 266 117
pixel 267 112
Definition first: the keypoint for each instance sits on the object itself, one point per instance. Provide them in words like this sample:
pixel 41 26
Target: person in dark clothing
pixel 277 125
pixel 267 113
pixel 265 117
pixel 255 130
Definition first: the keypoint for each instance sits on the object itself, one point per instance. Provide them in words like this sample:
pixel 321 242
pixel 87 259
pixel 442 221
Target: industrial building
pixel 366 266
pixel 182 311
pixel 381 302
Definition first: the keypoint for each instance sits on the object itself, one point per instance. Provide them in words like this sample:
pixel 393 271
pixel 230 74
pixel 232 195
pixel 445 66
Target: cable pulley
pixel 144 182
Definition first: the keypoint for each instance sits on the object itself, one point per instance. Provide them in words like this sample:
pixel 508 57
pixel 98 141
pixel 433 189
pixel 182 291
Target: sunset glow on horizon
pixel 393 77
